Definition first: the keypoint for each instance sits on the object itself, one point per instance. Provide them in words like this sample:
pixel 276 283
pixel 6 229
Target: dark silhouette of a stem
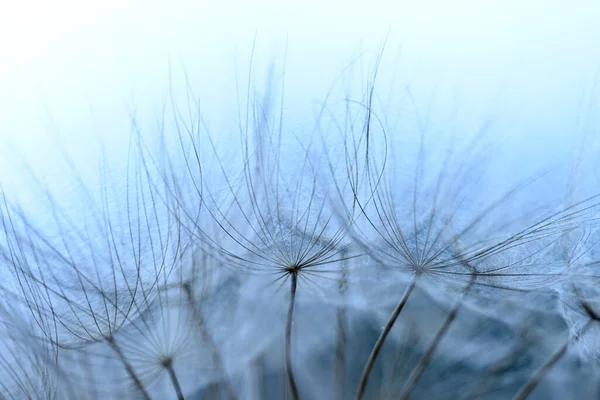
pixel 375 352
pixel 288 337
pixel 532 383
pixel 130 371
pixel 340 348
pixel 426 357
pixel 168 365
pixel 206 336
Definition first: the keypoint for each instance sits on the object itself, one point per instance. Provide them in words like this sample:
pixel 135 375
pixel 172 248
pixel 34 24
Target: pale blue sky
pixel 528 64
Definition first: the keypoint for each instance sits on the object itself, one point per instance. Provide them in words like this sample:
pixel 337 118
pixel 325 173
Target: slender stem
pixel 375 352
pixel 340 348
pixel 417 372
pixel 136 380
pixel 168 364
pixel 340 355
pixel 212 345
pixel 288 338
pixel 532 383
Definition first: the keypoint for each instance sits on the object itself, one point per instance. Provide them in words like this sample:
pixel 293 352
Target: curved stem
pixel 375 352
pixel 168 364
pixel 424 361
pixel 288 338
pixel 212 345
pixel 532 383
pixel 130 371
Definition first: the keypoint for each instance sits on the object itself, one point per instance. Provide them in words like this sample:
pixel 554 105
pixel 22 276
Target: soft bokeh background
pixel 74 74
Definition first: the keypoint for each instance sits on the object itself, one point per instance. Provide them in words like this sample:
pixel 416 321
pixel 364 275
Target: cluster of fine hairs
pixel 367 254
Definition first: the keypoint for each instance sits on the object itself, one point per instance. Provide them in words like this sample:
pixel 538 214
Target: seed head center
pixel 420 268
pixel 293 269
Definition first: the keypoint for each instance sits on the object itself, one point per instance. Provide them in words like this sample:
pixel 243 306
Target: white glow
pixel 82 63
